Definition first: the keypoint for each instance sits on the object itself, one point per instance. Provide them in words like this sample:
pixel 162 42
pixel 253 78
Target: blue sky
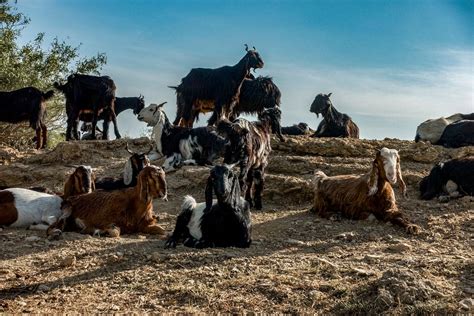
pixel 389 64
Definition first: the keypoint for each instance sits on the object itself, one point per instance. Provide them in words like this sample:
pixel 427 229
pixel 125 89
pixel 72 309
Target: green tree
pixel 33 65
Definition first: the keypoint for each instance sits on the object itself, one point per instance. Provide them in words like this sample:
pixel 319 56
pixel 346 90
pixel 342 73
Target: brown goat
pixel 360 196
pixel 125 211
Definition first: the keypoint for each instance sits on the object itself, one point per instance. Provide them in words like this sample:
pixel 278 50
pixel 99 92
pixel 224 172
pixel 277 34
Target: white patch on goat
pixel 34 206
pixel 189 146
pixel 172 162
pixel 194 224
pixel 389 157
pixel 127 172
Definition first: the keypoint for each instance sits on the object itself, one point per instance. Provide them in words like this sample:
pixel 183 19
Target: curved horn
pixel 330 93
pixel 254 48
pixel 128 149
pixel 246 47
pixel 161 104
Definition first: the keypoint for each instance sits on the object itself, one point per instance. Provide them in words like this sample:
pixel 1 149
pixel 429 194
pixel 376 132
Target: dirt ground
pixel 297 263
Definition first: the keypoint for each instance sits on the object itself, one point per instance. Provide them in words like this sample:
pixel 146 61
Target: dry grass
pixel 297 264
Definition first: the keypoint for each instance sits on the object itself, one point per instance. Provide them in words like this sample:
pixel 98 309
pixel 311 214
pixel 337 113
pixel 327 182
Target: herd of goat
pixel 114 206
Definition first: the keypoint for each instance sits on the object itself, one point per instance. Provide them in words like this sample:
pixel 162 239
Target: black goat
pixel 217 90
pixel 455 176
pixel 132 168
pixel 89 94
pixel 121 104
pixel 181 145
pixel 224 222
pixel 250 147
pixel 458 134
pixel 27 104
pixel 334 124
pixel 297 129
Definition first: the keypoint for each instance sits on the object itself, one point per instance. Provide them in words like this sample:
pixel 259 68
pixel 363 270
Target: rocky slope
pixel 298 262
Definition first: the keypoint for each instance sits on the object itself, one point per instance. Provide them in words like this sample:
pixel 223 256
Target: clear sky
pixel 389 64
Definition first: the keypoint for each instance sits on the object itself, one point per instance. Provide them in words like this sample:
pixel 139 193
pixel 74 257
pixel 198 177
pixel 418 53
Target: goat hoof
pixel 170 244
pixel 55 234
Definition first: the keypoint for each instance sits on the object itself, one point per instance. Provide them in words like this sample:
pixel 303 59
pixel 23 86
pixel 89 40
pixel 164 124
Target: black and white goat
pixel 224 222
pixel 29 208
pixel 181 145
pixel 250 147
pixel 132 168
pixel 454 177
pixel 458 134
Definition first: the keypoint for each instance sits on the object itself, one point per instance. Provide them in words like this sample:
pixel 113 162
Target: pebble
pixel 362 272
pixel 42 288
pixel 33 238
pixel 467 304
pixel 399 247
pixel 322 260
pixel 346 236
pixel 295 242
pixel 68 261
pixel 372 258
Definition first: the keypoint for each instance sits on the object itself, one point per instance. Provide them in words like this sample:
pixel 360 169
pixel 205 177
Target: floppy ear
pixel 208 193
pixel 127 172
pixel 143 188
pixel 401 184
pixel 68 187
pixel 373 179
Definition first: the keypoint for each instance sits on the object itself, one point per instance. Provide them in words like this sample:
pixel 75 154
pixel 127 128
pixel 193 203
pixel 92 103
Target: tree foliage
pixel 32 64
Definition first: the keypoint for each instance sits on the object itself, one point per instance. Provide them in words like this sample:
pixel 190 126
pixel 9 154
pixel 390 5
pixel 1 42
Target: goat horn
pixel 246 47
pixel 161 104
pixel 254 48
pixel 128 149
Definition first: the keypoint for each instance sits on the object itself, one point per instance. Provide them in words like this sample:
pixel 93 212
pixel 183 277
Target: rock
pixel 346 236
pixel 443 198
pixel 372 258
pixel 68 261
pixel 329 263
pixel 295 242
pixel 33 238
pixel 467 304
pixel 363 272
pixel 42 288
pixel 399 247
pixel 158 257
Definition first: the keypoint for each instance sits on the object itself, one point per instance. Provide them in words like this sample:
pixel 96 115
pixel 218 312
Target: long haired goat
pixel 181 145
pixel 250 147
pixel 217 90
pixel 455 176
pixel 88 94
pixel 359 197
pixel 335 123
pixel 27 104
pixel 124 211
pixel 30 208
pixel 135 163
pixel 224 222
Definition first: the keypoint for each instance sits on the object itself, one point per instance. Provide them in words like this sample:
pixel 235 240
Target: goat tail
pixel 189 203
pixel 318 177
pixel 48 95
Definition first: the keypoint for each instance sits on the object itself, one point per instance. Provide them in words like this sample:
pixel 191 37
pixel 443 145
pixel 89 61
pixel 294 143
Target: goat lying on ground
pixel 30 208
pixel 334 124
pixel 132 168
pixel 297 129
pixel 224 222
pixel 250 147
pixel 432 129
pixel 458 134
pixel 455 176
pixel 125 211
pixel 27 104
pixel 360 197
pixel 181 145
pixel 217 90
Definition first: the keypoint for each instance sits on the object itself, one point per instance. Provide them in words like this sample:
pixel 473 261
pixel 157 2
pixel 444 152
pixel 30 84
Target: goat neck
pixel 332 115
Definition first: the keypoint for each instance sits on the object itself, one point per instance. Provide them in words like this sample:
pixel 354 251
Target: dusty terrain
pixel 298 263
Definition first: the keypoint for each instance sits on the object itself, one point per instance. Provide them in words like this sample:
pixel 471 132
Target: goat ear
pixel 68 187
pixel 330 93
pixel 127 172
pixel 208 193
pixel 143 188
pixel 401 184
pixel 373 179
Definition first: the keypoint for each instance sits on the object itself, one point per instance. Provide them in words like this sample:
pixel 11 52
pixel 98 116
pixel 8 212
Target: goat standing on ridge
pixel 30 208
pixel 27 104
pixel 125 211
pixel 360 197
pixel 334 124
pixel 217 90
pixel 224 222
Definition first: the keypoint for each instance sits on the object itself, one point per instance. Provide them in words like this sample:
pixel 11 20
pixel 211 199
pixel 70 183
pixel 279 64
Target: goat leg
pixel 39 140
pixel 116 131
pixel 396 218
pixel 44 134
pixel 259 184
pixel 248 185
pixel 181 229
pixel 153 229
